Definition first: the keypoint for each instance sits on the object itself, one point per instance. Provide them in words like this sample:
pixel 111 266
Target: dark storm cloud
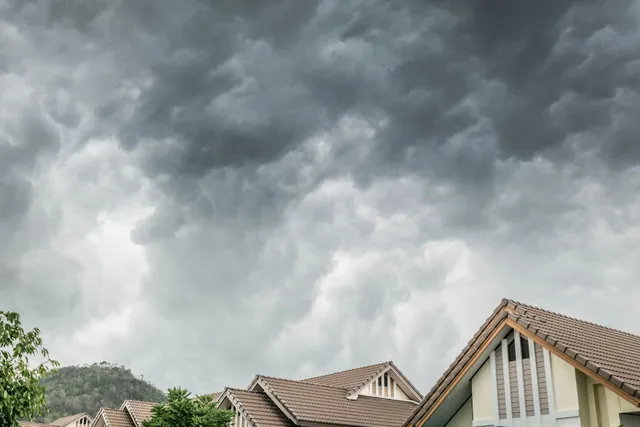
pixel 278 136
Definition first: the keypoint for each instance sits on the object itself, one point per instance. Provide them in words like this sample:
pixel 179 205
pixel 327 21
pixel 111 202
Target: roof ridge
pixel 525 305
pixel 346 370
pixel 301 382
pixel 244 390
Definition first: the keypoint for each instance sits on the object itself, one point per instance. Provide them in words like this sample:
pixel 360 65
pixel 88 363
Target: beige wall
pixel 482 392
pixel 603 406
pixel 463 418
pixel 565 389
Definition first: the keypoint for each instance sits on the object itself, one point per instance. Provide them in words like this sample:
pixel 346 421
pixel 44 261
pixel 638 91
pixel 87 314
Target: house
pixel 370 396
pixel 77 420
pixel 130 414
pixel 529 367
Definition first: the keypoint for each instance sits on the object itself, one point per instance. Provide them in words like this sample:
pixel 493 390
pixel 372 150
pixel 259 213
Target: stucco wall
pixel 482 392
pixel 565 388
pixel 597 396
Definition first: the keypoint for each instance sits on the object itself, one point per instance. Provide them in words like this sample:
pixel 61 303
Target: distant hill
pixel 76 389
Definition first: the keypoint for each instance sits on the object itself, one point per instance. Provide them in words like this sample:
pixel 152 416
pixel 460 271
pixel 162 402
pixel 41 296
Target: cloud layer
pixel 228 189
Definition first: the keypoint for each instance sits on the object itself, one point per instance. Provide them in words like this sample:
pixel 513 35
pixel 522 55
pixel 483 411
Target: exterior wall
pixel 464 416
pixel 482 393
pixel 599 406
pixel 564 385
pixel 100 423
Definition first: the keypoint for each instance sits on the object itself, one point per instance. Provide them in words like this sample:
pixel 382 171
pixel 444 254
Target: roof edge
pixel 498 314
pixel 228 393
pixel 514 314
pixel 588 367
pixel 278 401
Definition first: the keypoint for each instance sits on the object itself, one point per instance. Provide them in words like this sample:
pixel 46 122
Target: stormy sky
pixel 205 190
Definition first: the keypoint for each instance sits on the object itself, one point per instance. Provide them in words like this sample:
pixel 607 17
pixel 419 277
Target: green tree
pixel 21 394
pixel 182 411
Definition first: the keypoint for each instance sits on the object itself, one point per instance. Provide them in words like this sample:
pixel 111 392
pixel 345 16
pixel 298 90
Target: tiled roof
pixel 60 422
pixel 261 410
pixel 311 402
pixel 612 354
pixel 33 424
pixel 116 417
pixel 609 353
pixel 350 379
pixel 139 411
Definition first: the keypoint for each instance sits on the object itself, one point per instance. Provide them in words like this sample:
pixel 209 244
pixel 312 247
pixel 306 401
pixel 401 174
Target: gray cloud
pixel 307 186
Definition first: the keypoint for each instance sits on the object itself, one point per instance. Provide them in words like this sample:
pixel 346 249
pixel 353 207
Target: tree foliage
pixel 21 393
pixel 76 389
pixel 182 411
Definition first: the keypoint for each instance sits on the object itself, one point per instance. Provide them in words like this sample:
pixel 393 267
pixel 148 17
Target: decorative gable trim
pixel 259 381
pixel 508 314
pixel 228 395
pixel 398 378
pixel 99 415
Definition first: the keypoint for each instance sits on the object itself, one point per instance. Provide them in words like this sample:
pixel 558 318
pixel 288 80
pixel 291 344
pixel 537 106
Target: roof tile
pixel 612 354
pixel 312 402
pixel 260 408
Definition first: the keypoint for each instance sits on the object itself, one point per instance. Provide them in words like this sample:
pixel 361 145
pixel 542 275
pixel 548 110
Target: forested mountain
pixel 87 388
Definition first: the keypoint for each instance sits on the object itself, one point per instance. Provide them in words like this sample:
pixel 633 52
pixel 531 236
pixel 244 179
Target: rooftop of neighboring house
pixel 69 420
pixel 370 396
pixel 610 356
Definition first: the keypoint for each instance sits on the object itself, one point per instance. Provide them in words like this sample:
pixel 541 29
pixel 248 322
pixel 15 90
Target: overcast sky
pixel 205 190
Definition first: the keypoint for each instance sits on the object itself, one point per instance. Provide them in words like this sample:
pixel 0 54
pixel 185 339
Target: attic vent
pixel 384 386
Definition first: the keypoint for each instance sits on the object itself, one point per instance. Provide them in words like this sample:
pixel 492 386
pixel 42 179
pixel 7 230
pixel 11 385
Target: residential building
pixel 529 367
pixel 77 420
pixel 370 396
pixel 130 414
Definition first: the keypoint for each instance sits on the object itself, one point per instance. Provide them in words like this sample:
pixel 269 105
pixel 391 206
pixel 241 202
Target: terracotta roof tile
pixel 349 379
pixel 611 350
pixel 312 402
pixel 139 411
pixel 261 410
pixel 60 422
pixel 33 424
pixel 610 353
pixel 116 417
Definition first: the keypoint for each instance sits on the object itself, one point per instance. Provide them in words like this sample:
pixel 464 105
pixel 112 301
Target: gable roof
pixel 610 356
pixel 304 401
pixel 350 379
pixel 258 408
pixel 138 410
pixel 61 422
pixel 114 418
pixel 33 424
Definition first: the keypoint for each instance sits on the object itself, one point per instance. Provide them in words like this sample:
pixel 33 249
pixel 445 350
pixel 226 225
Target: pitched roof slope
pixel 351 378
pixel 319 403
pixel 60 422
pixel 261 410
pixel 33 424
pixel 611 354
pixel 116 417
pixel 139 410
